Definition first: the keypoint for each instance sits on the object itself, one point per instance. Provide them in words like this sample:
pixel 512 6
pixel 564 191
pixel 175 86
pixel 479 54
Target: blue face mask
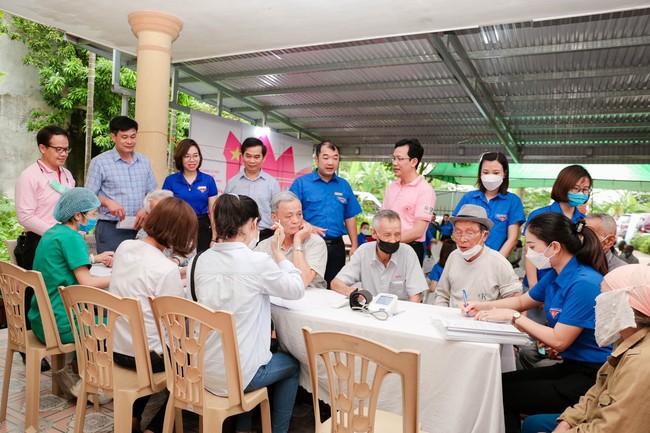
pixel 92 222
pixel 578 199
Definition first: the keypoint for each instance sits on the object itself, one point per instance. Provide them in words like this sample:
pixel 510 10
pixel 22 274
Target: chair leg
pixel 266 416
pixel 9 358
pixel 123 413
pixel 171 418
pixel 32 388
pixel 80 410
pixel 58 362
pixel 178 420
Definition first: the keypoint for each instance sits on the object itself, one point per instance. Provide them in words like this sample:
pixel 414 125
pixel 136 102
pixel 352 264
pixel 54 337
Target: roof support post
pixel 475 88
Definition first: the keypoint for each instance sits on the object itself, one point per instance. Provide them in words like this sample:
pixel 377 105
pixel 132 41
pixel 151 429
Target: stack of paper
pixel 469 329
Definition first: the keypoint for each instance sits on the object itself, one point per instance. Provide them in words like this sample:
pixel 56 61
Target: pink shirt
pixel 35 197
pixel 413 202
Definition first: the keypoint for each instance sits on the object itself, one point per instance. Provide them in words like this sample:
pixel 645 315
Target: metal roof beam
pixel 322 67
pixel 567 96
pixel 561 48
pixel 348 104
pixel 253 104
pixel 386 85
pixel 566 75
pixel 475 89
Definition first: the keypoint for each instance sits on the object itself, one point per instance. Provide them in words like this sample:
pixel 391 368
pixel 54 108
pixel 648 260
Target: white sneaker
pixel 103 399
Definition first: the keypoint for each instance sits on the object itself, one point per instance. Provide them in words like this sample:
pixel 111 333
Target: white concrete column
pixel 155 32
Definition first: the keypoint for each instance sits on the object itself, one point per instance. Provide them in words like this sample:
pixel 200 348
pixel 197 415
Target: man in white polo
pixel 482 272
pixel 383 266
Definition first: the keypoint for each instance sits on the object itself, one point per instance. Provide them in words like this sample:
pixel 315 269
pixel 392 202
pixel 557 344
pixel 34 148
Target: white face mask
pixel 539 259
pixel 491 181
pixel 470 253
pixel 613 314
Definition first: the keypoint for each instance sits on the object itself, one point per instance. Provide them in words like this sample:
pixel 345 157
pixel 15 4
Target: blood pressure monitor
pixel 384 302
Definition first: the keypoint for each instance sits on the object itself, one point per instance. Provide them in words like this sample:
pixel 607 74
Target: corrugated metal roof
pixel 570 89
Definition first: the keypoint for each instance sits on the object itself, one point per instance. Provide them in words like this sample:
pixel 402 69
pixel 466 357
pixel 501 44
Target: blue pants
pixel 108 237
pixel 283 371
pixel 540 423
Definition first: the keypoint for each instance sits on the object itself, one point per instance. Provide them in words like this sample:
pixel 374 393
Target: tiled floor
pixel 57 414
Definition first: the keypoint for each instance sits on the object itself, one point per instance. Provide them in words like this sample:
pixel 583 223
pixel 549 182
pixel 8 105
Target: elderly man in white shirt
pixel 483 273
pixel 384 266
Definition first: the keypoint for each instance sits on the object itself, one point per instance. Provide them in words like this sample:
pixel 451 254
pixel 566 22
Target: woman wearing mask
pixel 230 276
pixel 568 294
pixel 571 189
pixel 195 187
pixel 504 208
pixel 140 270
pixel 364 232
pixel 617 402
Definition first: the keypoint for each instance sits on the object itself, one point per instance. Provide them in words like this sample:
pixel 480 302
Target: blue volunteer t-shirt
pixel 436 272
pixel 570 298
pixel 326 204
pixel 503 210
pixel 196 194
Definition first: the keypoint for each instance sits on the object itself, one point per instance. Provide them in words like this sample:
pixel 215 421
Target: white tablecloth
pixel 460 382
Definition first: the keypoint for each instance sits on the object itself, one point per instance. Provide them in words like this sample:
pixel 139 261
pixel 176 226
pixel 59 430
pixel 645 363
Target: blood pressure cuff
pixel 359 299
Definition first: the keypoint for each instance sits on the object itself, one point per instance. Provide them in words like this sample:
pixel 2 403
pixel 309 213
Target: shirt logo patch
pixel 555 311
pixel 502 217
pixel 339 194
pixel 428 209
pixel 202 188
pixel 343 200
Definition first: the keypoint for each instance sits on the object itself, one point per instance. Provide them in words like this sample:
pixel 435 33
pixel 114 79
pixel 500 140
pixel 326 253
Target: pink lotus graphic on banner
pixel 280 167
pixel 220 140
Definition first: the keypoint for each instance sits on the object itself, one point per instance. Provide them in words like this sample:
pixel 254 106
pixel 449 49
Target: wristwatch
pixel 298 248
pixel 516 315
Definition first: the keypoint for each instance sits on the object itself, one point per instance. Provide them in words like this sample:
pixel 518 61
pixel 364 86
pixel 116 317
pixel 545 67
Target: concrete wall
pixel 19 94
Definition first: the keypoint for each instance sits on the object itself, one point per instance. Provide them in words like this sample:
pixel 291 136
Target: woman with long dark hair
pixel 504 208
pixel 231 276
pixel 568 293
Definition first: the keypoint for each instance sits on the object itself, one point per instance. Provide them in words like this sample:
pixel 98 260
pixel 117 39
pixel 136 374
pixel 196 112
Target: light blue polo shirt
pixel 503 210
pixel 326 204
pixel 570 298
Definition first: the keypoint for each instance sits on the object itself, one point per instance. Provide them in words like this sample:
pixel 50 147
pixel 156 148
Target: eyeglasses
pixel 577 190
pixel 399 158
pixel 466 235
pixel 196 156
pixel 60 150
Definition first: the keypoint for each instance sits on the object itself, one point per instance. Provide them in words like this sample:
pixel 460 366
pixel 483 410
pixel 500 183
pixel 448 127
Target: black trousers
pixel 158 366
pixel 545 389
pixel 335 258
pixel 25 251
pixel 418 247
pixel 205 233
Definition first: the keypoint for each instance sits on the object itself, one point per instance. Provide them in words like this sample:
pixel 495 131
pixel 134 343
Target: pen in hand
pixel 465 301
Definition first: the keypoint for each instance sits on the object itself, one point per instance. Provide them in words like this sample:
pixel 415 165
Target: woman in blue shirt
pixel 504 208
pixel 446 249
pixel 571 190
pixel 198 189
pixel 568 293
pixel 446 228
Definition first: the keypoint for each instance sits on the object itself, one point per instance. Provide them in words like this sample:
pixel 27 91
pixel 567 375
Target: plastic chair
pixel 187 325
pixel 10 244
pixel 94 313
pixel 348 362
pixel 13 282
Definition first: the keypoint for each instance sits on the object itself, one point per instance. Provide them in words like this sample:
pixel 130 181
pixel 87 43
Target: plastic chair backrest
pixel 11 246
pixel 355 370
pixel 13 282
pixel 184 326
pixel 94 312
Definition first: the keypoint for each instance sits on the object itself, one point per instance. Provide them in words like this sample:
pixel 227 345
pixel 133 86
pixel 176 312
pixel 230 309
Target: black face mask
pixel 388 247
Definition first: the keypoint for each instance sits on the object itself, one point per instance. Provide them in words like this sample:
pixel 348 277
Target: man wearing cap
pixel 120 177
pixel 384 266
pixel 482 272
pixel 410 195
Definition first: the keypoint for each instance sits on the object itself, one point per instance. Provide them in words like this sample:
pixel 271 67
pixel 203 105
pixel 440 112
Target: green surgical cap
pixel 74 200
